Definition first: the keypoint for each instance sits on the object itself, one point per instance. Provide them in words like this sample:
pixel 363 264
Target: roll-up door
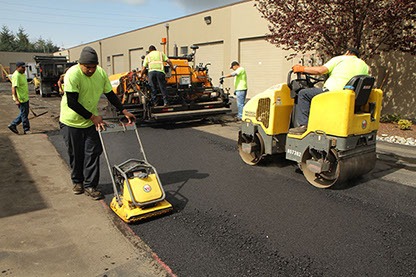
pixel 118 64
pixel 265 64
pixel 135 58
pixel 212 53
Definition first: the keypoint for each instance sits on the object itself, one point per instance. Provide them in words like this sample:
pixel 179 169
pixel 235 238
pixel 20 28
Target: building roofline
pixel 152 25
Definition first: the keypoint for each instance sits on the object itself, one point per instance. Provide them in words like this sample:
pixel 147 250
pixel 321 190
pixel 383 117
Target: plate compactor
pixel 340 141
pixel 138 192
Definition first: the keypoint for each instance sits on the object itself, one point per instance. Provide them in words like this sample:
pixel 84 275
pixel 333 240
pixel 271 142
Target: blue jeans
pixel 241 99
pixel 23 116
pixel 304 104
pixel 158 79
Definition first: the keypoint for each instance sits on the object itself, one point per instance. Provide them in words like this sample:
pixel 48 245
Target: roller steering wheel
pixel 306 79
pixel 303 80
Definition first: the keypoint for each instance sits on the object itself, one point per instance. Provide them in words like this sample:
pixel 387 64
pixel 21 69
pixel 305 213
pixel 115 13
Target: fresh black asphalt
pixel 231 219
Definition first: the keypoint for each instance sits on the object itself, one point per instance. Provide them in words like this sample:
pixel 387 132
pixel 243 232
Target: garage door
pixel 212 53
pixel 118 64
pixel 265 64
pixel 135 58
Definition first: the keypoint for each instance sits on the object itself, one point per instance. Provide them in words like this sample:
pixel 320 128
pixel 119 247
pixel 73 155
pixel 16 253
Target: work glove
pixel 298 68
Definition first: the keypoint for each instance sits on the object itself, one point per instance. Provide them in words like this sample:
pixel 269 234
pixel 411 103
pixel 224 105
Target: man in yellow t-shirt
pixel 85 82
pixel 20 95
pixel 340 69
pixel 154 62
pixel 240 86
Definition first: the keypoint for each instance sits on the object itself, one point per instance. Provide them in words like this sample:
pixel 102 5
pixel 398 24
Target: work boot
pixel 13 128
pixel 298 130
pixel 94 193
pixel 78 188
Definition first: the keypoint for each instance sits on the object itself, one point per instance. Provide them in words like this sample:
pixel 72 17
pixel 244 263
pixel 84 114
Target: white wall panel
pixel 212 53
pixel 265 64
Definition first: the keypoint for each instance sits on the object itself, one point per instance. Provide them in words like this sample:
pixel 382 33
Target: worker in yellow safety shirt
pixel 36 82
pixel 154 62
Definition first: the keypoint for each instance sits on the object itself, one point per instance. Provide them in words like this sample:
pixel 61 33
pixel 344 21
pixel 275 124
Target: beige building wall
pixel 237 32
pixel 8 61
pixel 395 74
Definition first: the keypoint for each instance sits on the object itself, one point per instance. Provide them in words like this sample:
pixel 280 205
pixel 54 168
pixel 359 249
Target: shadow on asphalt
pixel 18 191
pixel 181 177
pixel 397 161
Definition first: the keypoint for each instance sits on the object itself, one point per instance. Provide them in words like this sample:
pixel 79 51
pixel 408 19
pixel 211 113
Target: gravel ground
pixel 390 132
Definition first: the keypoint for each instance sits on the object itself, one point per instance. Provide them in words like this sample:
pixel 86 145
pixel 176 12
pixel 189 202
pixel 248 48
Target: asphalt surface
pixel 231 219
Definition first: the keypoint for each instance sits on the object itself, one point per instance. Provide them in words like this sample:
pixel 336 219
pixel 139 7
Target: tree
pixel 7 39
pixel 50 47
pixel 331 26
pixel 40 45
pixel 22 41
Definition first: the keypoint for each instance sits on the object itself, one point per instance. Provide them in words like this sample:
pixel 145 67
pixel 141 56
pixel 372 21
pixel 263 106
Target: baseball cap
pixel 19 64
pixel 234 63
pixel 354 51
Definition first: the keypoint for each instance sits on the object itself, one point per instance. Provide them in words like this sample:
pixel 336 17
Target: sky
pixel 74 22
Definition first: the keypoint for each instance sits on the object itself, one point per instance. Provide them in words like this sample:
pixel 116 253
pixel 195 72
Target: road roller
pixel 340 141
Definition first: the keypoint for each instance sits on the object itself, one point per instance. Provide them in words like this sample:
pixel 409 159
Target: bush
pixel 389 118
pixel 404 124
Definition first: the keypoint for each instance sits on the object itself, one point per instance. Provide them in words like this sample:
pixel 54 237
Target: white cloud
pixel 129 2
pixel 200 5
pixel 134 2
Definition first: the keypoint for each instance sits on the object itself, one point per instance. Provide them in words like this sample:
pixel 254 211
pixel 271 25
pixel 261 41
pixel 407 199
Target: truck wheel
pixel 43 90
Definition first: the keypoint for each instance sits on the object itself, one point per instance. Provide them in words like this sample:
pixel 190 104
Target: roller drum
pixel 250 148
pixel 342 168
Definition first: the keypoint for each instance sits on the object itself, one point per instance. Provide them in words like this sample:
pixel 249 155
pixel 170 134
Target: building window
pixel 184 50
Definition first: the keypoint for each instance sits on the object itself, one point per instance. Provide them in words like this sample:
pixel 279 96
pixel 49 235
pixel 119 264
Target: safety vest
pixel 157 65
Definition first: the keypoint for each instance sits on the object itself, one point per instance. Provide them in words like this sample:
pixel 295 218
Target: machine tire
pixel 254 157
pixel 43 91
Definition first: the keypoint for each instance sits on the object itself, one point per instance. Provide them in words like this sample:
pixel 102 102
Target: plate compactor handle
pixel 120 126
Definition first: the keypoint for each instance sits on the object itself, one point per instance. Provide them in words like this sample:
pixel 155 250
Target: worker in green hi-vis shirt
pixel 20 94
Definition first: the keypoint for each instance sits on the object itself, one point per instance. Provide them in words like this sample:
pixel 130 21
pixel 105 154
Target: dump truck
pixel 49 69
pixel 191 93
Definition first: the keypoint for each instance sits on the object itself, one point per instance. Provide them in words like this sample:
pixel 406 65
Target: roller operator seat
pixel 362 86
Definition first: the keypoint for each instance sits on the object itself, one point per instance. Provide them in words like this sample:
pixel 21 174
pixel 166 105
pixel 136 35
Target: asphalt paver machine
pixel 138 191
